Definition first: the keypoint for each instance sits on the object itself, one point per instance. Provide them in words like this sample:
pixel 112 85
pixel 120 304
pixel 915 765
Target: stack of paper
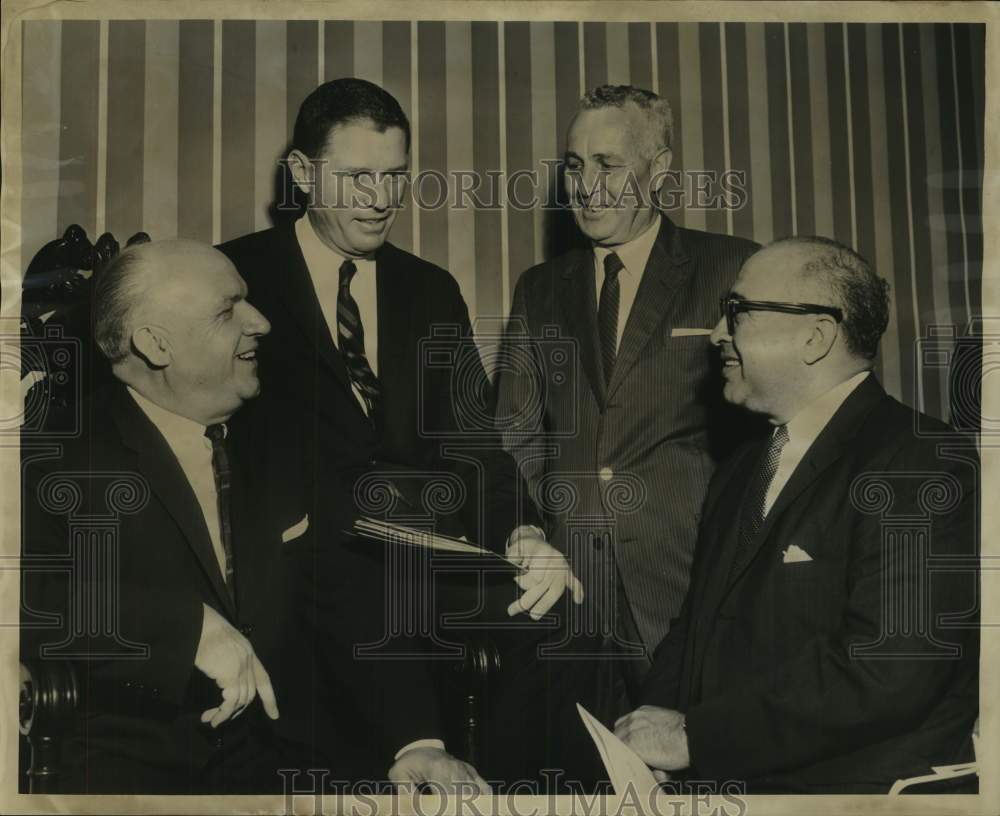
pixel 398 534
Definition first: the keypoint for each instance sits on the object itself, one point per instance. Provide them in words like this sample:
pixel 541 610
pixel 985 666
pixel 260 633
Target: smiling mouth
pixel 248 356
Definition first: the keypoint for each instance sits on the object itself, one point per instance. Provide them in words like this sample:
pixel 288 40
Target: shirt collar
pixel 319 256
pixel 808 423
pixel 176 429
pixel 635 253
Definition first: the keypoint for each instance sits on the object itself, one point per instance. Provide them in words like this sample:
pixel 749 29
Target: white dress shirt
pixel 186 438
pixel 324 269
pixel 803 429
pixel 634 256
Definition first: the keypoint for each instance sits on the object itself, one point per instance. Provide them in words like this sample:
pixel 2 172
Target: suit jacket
pixel 841 673
pixel 140 729
pixel 435 391
pixel 117 498
pixel 435 396
pixel 636 452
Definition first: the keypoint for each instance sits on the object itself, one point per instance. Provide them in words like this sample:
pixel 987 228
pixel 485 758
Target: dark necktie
pixel 752 516
pixel 351 339
pixel 607 313
pixel 223 485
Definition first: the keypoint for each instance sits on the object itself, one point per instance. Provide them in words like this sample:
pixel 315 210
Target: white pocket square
pixel 295 530
pixel 689 332
pixel 795 555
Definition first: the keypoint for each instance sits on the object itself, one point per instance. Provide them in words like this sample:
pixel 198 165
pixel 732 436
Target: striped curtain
pixel 872 134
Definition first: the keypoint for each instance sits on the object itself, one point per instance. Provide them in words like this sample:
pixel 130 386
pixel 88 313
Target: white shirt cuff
pixel 420 743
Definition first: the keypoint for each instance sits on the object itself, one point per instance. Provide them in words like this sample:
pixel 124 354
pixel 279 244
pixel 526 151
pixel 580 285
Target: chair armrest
pixel 47 705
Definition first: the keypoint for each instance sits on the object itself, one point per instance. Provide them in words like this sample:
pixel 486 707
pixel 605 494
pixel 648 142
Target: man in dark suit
pixel 607 398
pixel 828 642
pixel 372 357
pixel 180 649
pixel 157 574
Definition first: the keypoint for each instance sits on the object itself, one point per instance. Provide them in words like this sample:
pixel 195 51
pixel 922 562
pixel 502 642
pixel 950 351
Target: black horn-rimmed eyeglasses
pixel 732 306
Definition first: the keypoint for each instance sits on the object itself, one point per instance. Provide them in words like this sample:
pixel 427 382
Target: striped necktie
pixel 607 313
pixel 351 339
pixel 223 485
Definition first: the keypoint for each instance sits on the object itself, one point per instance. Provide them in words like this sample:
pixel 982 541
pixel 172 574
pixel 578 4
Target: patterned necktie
pixel 607 313
pixel 351 339
pixel 752 516
pixel 223 484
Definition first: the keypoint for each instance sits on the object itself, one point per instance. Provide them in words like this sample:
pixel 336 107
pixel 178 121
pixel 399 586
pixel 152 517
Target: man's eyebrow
pixel 597 156
pixel 401 168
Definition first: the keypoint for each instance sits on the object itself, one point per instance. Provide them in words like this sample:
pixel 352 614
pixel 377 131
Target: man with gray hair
pixel 829 642
pixel 635 427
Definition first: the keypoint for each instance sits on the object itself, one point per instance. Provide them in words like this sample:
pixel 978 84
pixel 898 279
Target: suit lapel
pixel 158 465
pixel 394 297
pixel 665 272
pixel 254 567
pixel 725 533
pixel 579 304
pixel 295 289
pixel 828 447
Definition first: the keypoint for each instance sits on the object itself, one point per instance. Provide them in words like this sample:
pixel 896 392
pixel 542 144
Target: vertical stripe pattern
pixel 872 134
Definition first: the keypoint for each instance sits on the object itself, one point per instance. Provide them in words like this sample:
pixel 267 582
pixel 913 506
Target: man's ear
pixel 820 340
pixel 659 166
pixel 152 344
pixel 302 170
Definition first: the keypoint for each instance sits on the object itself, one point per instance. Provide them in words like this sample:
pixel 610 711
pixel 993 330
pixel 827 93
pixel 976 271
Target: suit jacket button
pixel 605 474
pixel 247 629
pixel 218 742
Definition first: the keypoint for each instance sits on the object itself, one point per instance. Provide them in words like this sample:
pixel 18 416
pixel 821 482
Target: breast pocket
pixel 684 342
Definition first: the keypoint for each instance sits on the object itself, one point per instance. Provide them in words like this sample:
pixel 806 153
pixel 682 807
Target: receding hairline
pixel 163 262
pixel 646 139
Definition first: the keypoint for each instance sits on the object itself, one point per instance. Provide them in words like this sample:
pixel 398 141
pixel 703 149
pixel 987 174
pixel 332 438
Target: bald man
pixel 231 594
pixel 824 646
pixel 163 606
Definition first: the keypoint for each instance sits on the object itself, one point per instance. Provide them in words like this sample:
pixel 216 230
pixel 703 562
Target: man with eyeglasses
pixel 814 652
pixel 372 362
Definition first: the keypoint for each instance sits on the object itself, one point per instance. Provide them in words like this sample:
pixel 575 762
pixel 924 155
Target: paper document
pixel 397 533
pixel 623 765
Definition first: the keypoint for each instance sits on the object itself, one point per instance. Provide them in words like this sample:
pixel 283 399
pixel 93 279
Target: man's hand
pixel 548 576
pixel 657 735
pixel 228 658
pixel 422 765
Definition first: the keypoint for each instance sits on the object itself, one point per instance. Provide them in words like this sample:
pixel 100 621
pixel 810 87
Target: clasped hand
pixel 421 766
pixel 547 576
pixel 657 735
pixel 228 658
